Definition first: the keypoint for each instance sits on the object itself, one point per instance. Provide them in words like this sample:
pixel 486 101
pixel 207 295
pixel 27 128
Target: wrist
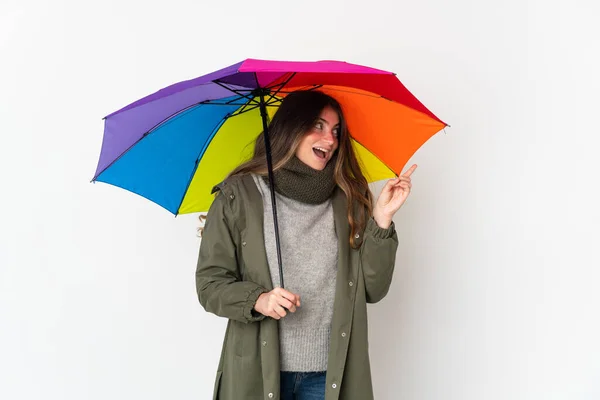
pixel 257 306
pixel 382 221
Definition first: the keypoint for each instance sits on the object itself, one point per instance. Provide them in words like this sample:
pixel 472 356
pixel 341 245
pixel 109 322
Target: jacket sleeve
pixel 378 258
pixel 221 290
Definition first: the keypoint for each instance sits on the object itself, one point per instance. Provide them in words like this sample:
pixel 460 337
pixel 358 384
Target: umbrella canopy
pixel 173 146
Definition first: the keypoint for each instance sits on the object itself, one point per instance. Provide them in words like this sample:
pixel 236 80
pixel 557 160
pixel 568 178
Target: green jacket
pixel 233 271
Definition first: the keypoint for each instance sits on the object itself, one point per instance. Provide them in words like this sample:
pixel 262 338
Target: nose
pixel 328 136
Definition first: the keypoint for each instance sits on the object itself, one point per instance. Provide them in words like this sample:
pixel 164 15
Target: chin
pixel 313 163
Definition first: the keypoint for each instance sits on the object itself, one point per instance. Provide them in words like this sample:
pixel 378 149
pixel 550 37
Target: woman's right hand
pixel 274 303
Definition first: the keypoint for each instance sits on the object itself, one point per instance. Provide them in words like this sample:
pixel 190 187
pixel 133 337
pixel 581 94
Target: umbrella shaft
pixel 263 113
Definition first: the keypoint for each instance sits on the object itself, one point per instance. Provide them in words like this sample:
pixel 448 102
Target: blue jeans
pixel 303 385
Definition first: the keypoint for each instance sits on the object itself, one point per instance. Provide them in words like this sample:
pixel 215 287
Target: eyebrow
pixel 327 122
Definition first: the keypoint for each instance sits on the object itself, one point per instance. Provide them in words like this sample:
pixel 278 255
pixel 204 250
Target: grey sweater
pixel 309 256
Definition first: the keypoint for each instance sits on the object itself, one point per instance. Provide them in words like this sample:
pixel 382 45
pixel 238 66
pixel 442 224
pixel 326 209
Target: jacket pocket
pixel 217 385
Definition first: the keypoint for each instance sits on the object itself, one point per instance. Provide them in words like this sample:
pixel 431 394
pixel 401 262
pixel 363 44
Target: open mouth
pixel 320 152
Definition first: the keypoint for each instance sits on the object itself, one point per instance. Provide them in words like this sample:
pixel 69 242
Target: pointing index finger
pixel 410 170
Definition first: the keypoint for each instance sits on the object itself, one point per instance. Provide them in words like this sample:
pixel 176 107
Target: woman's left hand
pixel 392 197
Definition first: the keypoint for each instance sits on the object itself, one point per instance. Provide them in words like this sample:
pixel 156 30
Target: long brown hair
pixel 296 115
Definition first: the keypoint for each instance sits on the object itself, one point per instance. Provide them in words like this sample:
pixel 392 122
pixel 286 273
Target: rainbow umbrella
pixel 173 146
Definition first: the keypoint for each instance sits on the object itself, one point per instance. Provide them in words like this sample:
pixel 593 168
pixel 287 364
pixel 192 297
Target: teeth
pixel 322 149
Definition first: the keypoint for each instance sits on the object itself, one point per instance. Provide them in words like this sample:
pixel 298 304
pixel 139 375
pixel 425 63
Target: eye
pixel 336 132
pixel 319 125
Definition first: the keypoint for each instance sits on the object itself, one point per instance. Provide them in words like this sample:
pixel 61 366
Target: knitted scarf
pixel 300 182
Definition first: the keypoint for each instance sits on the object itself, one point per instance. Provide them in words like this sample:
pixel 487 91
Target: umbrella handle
pixel 264 115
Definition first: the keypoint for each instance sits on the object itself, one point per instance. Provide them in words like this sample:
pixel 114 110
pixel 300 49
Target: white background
pixel 495 295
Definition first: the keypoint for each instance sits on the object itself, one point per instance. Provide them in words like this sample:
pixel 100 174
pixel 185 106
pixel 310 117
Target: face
pixel 319 144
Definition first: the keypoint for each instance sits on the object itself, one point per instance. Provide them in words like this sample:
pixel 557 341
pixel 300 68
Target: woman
pixel 309 340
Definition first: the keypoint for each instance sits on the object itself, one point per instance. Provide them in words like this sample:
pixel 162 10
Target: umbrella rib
pixel 374 155
pixel 158 125
pixel 151 101
pixel 280 85
pixel 306 88
pixel 363 93
pixel 236 91
pixel 275 100
pixel 229 103
pixel 243 108
pixel 201 103
pixel 200 153
pixel 145 134
pixel 274 93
